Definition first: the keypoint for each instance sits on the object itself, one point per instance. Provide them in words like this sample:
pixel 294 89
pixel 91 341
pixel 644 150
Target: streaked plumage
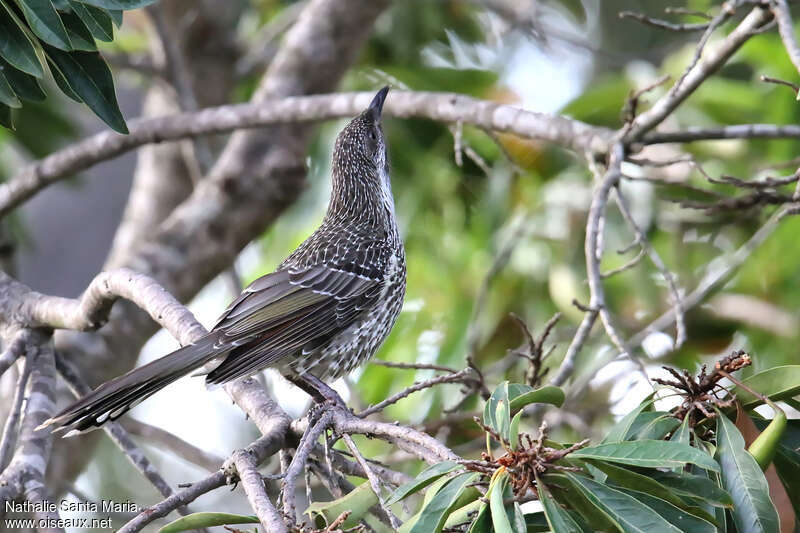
pixel 324 311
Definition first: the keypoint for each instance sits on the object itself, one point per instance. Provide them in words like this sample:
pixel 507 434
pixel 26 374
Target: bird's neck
pixel 363 198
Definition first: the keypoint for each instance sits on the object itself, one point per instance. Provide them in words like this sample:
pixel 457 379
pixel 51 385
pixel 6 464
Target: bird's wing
pixel 282 313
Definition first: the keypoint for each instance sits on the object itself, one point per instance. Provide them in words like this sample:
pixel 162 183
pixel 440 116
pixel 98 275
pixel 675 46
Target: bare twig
pixel 699 71
pixel 11 427
pixel 170 441
pixel 414 366
pixel 245 470
pixel 716 277
pixel 632 262
pixel 465 375
pixel 263 447
pixel 655 258
pixel 298 463
pixel 14 350
pixel 592 250
pixel 663 24
pixel 777 81
pixel 780 10
pixel 374 482
pixel 737 131
pixel 446 107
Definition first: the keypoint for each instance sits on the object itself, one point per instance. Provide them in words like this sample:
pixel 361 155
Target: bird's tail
pixel 114 398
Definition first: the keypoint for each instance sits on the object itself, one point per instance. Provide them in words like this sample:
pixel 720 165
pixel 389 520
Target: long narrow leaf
pixel 753 511
pixel 45 22
pixel 425 478
pixel 434 514
pixel 15 47
pixel 680 518
pixel 648 453
pixel 558 518
pixel 202 520
pixel 89 76
pixel 629 514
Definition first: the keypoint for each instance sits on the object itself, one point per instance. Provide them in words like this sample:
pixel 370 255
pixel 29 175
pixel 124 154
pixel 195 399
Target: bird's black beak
pixel 376 107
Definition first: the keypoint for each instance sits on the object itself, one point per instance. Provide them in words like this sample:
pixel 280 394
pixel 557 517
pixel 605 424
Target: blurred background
pixel 488 203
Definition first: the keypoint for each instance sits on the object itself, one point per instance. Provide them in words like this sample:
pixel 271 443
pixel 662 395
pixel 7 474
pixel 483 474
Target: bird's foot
pixel 231 473
pixel 322 393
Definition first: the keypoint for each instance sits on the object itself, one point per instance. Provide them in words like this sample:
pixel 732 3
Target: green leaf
pixel 502 418
pixel 45 22
pixel 25 86
pixel 513 432
pixel 648 453
pixel 434 514
pixel 641 483
pixel 89 76
pixel 627 513
pixel 122 5
pixel 558 518
pixel 500 521
pixel 499 396
pixel 566 491
pixel 537 523
pixel 7 95
pixel 753 511
pixel 787 464
pixel 96 20
pixel 674 515
pixel 6 118
pixel 357 501
pixel 425 478
pixel 482 521
pixel 201 520
pixel 657 428
pixel 15 47
pixel 621 428
pixel 79 35
pixel 694 486
pixel 683 434
pixel 62 82
pixel 776 383
pixel 116 16
pixel 548 394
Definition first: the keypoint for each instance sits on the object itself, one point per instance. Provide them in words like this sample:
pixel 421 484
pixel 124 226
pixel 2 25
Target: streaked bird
pixel 324 311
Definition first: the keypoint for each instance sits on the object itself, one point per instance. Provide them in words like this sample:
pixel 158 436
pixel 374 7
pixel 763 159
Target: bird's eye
pixel 373 136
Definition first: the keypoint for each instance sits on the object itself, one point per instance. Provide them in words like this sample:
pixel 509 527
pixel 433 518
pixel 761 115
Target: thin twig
pixel 592 251
pixel 11 427
pixel 298 463
pixel 699 71
pixel 245 466
pixel 655 258
pixel 14 350
pixel 663 24
pixel 465 375
pixel 374 482
pixel 780 10
pixel 170 441
pixel 413 366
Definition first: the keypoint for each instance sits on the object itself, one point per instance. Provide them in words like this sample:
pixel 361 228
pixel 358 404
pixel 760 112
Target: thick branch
pixel 701 70
pixel 447 107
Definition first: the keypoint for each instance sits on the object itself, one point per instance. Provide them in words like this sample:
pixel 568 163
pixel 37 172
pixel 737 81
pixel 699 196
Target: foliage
pixel 59 36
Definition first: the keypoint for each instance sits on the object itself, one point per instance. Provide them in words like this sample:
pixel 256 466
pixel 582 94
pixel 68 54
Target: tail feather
pixel 114 398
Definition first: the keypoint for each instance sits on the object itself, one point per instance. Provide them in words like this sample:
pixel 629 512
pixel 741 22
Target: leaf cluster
pixel 59 36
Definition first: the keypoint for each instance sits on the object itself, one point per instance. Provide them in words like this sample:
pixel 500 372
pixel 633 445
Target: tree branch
pixel 446 107
pixel 698 73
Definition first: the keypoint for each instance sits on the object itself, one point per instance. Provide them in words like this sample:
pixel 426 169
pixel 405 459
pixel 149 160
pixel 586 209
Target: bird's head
pixel 361 146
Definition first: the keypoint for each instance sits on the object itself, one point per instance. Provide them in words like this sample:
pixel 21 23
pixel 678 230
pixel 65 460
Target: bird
pixel 325 310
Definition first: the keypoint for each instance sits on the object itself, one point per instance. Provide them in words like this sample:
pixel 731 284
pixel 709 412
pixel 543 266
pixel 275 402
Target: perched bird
pixel 324 311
